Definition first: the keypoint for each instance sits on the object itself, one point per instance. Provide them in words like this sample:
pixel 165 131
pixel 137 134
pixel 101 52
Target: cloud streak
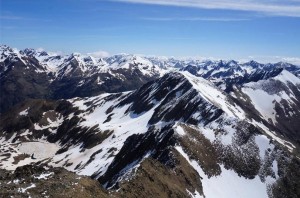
pixel 290 8
pixel 216 19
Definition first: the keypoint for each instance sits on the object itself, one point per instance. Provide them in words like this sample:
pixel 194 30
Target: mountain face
pixel 21 77
pixel 127 126
pixel 30 74
pixel 274 102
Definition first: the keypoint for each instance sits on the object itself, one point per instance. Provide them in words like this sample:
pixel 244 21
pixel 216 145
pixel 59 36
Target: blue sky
pixel 248 29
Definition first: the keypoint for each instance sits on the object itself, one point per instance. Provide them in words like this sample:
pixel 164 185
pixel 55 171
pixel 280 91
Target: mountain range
pixel 133 126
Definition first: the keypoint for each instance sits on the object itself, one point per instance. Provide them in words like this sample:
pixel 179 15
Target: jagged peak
pixel 253 64
pixel 28 51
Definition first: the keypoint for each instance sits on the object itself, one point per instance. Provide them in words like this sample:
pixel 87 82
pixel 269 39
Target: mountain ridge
pixel 210 126
pixel 75 75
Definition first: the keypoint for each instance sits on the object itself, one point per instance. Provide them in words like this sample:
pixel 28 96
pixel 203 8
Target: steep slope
pixel 179 126
pixel 21 77
pixel 274 102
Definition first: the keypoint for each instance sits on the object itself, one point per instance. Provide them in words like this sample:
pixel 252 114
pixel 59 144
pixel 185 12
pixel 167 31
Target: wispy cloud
pixel 289 8
pixel 99 54
pixel 217 19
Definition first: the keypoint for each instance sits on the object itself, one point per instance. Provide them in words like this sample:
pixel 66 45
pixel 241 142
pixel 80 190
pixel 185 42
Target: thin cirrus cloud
pixel 289 8
pixel 217 19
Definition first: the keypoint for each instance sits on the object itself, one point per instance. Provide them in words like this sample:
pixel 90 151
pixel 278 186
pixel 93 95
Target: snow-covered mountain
pixel 31 74
pixel 34 74
pixel 177 136
pixel 226 74
pixel 147 65
pixel 147 126
pixel 275 102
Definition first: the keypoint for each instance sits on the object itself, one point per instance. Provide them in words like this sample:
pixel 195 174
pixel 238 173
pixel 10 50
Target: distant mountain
pixel 21 77
pixel 226 74
pixel 33 74
pixel 177 136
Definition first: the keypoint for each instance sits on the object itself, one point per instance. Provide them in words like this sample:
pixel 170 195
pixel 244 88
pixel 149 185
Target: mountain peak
pixel 6 51
pixel 29 51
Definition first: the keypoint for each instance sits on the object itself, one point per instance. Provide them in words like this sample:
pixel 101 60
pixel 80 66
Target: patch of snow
pixel 196 194
pixel 16 181
pixel 40 150
pixel 263 102
pixel 50 125
pixel 208 131
pixel 275 168
pixel 44 176
pixel 228 184
pixel 263 144
pixel 23 190
pixel 179 130
pixel 24 112
pixel 227 139
pixel 99 82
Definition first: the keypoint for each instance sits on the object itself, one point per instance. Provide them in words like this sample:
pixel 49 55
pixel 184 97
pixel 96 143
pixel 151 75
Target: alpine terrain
pixel 135 126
